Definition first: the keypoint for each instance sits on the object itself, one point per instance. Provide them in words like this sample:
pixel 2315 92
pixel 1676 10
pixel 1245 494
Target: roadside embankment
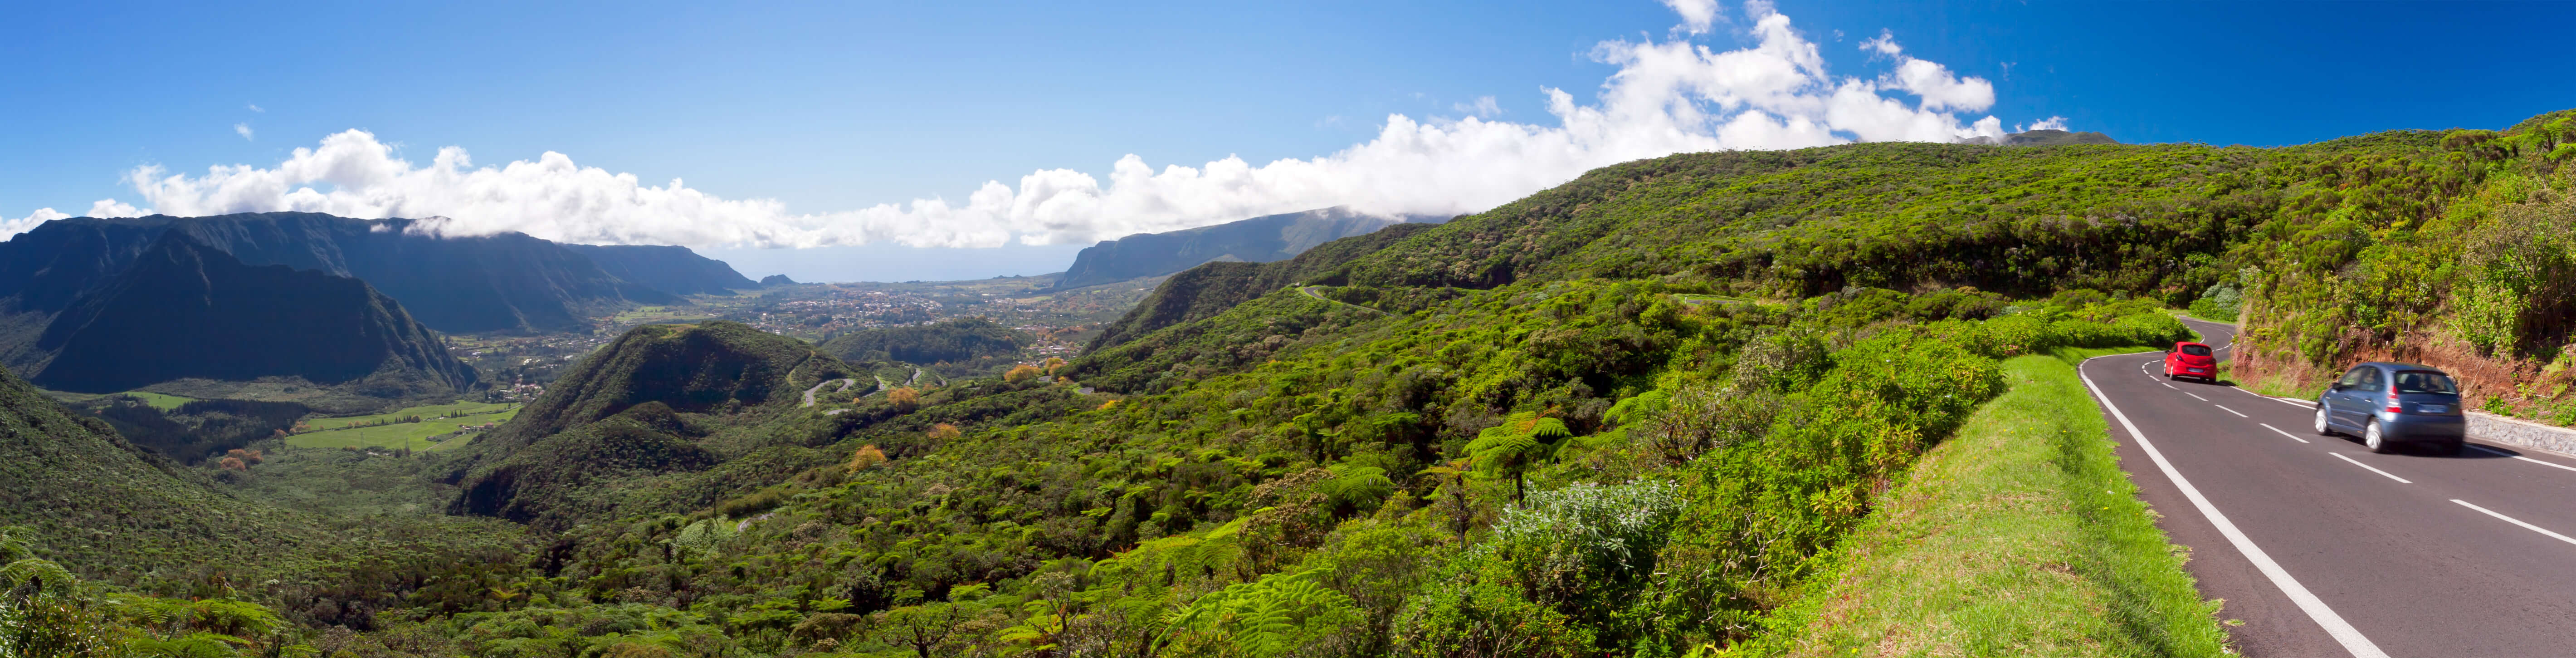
pixel 2019 536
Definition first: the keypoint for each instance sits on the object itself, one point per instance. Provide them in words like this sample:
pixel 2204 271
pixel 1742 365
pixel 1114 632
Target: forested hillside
pixel 959 346
pixel 1636 414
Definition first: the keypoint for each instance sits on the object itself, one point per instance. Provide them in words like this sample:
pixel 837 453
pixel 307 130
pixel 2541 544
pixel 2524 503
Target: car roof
pixel 2401 365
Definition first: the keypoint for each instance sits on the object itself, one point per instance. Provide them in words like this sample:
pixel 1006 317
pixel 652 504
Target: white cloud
pixel 1883 44
pixel 1665 97
pixel 242 129
pixel 2051 123
pixel 1697 15
pixel 1484 107
pixel 255 108
pixel 1935 84
pixel 23 224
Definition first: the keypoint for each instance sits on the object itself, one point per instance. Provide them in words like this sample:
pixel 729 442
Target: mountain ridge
pixel 185 310
pixel 1257 240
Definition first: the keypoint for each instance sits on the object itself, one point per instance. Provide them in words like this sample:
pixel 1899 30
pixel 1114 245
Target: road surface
pixel 2324 549
pixel 845 385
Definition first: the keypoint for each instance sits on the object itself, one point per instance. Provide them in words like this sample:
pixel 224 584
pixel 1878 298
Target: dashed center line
pixel 2516 521
pixel 2170 386
pixel 2501 453
pixel 2195 396
pixel 2356 462
pixel 2293 437
pixel 2224 408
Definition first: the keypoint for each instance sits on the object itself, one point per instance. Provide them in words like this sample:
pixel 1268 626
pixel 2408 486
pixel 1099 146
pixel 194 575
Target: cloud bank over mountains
pixel 1665 97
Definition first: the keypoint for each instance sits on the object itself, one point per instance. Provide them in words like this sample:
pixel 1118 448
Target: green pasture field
pixel 157 400
pixel 335 432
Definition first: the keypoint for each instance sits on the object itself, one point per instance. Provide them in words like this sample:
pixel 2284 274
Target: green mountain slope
pixel 117 510
pixel 638 408
pixel 970 343
pixel 1204 291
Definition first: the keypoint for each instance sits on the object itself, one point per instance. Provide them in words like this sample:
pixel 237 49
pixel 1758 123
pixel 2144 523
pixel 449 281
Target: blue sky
pixel 789 123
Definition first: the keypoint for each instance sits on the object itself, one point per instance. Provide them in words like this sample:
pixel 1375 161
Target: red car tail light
pixel 2393 407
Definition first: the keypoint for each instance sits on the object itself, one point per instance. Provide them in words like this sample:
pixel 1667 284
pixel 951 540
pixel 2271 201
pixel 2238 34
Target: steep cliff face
pixel 182 309
pixel 675 270
pixel 1256 240
pixel 503 282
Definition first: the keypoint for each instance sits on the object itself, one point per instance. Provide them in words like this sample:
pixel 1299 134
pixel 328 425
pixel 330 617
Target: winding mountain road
pixel 845 385
pixel 1309 291
pixel 2325 549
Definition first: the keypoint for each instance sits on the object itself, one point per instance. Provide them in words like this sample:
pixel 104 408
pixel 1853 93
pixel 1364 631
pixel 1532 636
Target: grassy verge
pixel 2020 537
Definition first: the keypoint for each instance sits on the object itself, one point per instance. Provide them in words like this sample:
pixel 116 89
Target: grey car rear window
pixel 2425 381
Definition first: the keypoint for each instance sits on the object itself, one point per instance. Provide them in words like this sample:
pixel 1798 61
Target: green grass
pixel 157 400
pixel 2018 537
pixel 397 435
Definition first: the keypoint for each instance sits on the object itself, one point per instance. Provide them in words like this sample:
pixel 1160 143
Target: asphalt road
pixel 2324 549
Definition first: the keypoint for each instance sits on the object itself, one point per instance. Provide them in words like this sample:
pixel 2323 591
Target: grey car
pixel 2388 404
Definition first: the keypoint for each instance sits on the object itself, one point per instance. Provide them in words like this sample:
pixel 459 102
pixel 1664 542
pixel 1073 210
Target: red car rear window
pixel 2196 350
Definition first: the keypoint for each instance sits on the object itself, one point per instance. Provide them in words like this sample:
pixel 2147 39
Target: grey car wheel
pixel 2322 428
pixel 2371 438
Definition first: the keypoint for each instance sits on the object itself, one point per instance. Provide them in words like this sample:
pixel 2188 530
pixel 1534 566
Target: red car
pixel 2191 360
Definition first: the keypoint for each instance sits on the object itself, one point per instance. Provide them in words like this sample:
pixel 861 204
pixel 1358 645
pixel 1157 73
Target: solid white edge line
pixel 2356 462
pixel 2515 521
pixel 2195 396
pixel 2224 408
pixel 2276 430
pixel 2334 625
pixel 2501 453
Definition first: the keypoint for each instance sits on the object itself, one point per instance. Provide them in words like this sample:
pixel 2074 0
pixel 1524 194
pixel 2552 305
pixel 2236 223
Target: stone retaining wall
pixel 2513 432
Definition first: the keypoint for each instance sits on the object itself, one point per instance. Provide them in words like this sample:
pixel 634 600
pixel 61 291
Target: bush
pixel 2219 303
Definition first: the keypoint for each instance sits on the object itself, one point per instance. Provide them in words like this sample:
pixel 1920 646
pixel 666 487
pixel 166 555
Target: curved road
pixel 1309 291
pixel 2324 549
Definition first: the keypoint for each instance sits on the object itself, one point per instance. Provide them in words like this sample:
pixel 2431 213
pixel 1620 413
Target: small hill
pixel 1206 290
pixel 777 280
pixel 1256 240
pixel 183 310
pixel 664 384
pixel 675 270
pixel 956 340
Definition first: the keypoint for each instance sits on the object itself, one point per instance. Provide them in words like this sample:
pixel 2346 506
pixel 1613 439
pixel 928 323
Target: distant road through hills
pixel 2325 549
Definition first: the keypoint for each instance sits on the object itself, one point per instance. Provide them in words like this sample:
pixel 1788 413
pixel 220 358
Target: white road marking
pixel 2303 403
pixel 2339 455
pixel 2170 386
pixel 2222 407
pixel 2277 430
pixel 2351 638
pixel 2195 396
pixel 2515 521
pixel 2501 453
